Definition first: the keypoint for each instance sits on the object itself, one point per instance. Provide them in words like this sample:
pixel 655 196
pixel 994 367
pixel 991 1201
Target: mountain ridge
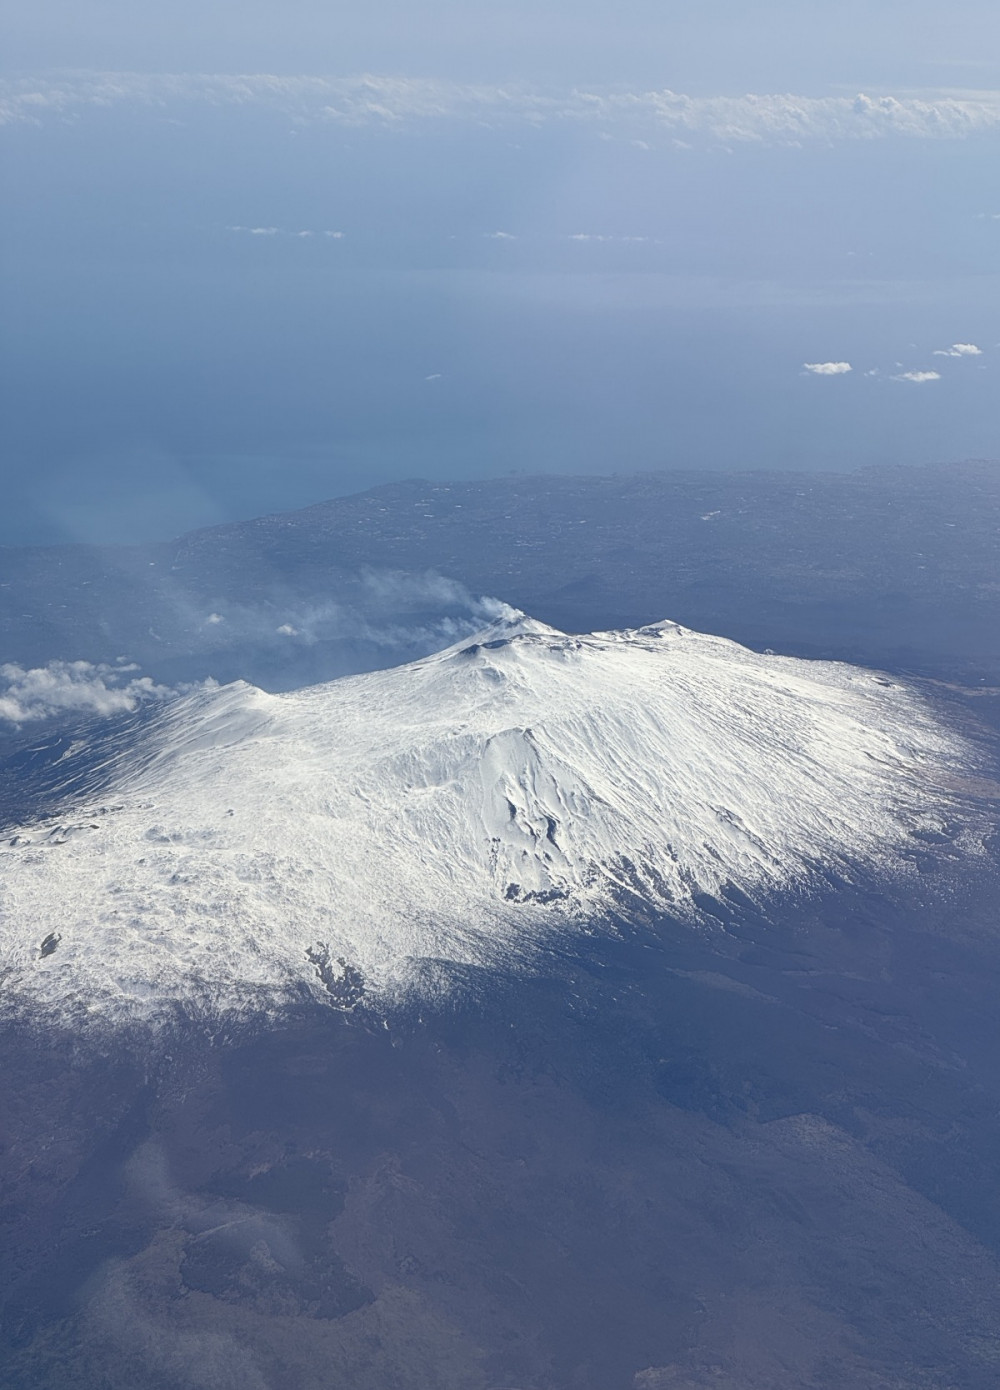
pixel 473 807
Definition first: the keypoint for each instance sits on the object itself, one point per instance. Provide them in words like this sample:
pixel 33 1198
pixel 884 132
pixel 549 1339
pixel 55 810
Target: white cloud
pixel 500 236
pixel 434 376
pixel 601 236
pixel 828 368
pixel 283 232
pixel 72 687
pixel 959 350
pixel 918 377
pixel 364 100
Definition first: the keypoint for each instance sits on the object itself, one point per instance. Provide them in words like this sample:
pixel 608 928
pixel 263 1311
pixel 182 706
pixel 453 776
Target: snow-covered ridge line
pixel 461 808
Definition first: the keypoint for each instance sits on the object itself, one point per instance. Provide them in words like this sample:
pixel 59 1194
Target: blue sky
pixel 256 256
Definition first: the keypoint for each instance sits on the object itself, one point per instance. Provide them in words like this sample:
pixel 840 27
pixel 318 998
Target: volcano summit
pixel 460 810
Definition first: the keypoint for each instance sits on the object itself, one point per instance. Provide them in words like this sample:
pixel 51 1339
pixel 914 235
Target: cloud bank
pixel 400 101
pixel 72 687
pixel 375 618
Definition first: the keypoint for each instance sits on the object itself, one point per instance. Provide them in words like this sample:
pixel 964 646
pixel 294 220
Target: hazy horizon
pixel 530 238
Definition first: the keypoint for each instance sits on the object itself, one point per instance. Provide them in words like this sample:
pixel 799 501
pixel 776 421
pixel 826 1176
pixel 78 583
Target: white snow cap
pixel 461 808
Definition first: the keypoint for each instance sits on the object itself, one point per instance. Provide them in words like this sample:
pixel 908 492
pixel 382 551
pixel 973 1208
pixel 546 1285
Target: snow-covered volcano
pixel 461 808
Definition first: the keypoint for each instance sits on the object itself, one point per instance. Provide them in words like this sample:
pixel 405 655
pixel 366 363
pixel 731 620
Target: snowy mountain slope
pixel 464 807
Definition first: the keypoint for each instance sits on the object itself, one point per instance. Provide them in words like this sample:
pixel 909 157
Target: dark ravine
pixel 758 1158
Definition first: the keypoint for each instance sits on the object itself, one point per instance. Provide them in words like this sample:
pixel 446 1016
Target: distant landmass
pixel 892 567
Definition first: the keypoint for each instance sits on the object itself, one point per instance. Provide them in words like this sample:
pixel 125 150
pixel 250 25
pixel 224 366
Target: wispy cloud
pixel 917 377
pixel 381 617
pixel 389 609
pixel 959 350
pixel 828 368
pixel 282 232
pixel 602 236
pixel 640 116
